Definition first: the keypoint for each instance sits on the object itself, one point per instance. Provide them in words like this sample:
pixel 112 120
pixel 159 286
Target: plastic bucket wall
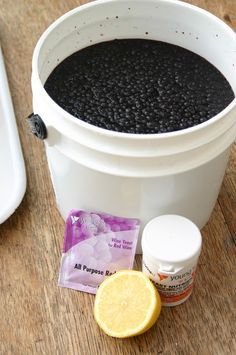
pixel 132 175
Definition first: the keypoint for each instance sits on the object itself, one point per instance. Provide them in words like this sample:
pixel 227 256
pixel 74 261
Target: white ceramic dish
pixel 12 168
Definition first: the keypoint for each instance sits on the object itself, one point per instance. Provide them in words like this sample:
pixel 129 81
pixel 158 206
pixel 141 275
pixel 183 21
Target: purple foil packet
pixel 96 245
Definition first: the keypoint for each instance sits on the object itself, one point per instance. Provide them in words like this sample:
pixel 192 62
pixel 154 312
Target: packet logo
pixel 74 219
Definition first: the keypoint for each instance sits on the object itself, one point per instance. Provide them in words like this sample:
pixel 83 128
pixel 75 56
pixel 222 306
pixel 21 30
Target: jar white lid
pixel 171 239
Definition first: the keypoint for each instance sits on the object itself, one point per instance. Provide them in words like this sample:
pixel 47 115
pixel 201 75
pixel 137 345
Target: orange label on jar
pixel 173 288
pixel 176 298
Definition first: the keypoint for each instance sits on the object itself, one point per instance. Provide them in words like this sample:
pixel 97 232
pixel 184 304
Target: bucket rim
pixel 110 133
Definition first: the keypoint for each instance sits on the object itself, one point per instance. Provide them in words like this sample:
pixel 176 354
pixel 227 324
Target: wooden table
pixel 38 317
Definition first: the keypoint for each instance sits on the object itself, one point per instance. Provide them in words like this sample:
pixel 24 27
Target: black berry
pixel 139 86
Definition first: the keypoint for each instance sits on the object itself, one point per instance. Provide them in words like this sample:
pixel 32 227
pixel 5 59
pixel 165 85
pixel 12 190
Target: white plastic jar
pixel 171 246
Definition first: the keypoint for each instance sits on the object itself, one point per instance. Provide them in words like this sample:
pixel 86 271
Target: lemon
pixel 126 304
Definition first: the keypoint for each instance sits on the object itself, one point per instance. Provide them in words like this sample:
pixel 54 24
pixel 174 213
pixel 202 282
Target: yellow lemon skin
pixel 126 304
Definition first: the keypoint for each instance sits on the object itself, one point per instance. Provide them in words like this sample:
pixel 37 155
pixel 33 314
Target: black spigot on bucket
pixel 37 126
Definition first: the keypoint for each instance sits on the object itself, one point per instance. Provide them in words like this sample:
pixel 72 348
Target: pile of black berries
pixel 139 86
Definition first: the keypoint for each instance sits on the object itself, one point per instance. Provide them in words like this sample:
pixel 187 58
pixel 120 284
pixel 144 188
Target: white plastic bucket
pixel 130 175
